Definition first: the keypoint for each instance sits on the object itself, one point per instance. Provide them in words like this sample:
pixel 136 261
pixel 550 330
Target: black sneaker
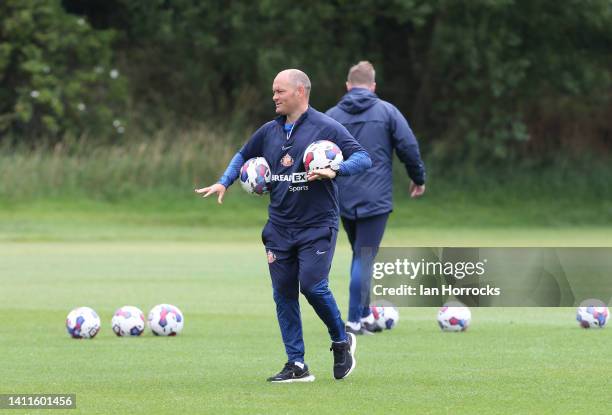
pixel 344 359
pixel 292 372
pixel 362 330
pixel 371 327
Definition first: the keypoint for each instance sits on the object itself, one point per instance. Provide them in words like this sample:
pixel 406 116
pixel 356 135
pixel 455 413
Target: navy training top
pixel 295 202
pixel 380 128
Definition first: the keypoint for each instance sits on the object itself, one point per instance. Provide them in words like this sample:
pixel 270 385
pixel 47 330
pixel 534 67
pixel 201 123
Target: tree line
pixel 479 80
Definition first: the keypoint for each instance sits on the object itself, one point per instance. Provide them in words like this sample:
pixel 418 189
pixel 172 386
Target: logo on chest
pixel 287 160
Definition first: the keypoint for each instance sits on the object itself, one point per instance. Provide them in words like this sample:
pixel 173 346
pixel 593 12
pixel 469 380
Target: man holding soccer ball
pixel 366 201
pixel 300 235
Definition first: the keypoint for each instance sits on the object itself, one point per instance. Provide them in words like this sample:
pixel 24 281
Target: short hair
pixel 362 74
pixel 298 78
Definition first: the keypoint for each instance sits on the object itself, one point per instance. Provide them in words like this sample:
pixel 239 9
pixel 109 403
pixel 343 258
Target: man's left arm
pixel 407 149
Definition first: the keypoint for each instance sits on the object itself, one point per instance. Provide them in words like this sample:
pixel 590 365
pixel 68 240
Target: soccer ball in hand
pixel 255 176
pixel 454 318
pixel 166 320
pixel 322 154
pixel 385 317
pixel 591 317
pixel 83 323
pixel 128 321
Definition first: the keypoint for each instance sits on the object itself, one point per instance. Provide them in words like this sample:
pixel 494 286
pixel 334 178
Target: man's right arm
pixel 232 171
pixel 252 148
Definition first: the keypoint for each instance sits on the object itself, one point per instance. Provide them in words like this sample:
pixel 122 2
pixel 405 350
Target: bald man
pixel 300 235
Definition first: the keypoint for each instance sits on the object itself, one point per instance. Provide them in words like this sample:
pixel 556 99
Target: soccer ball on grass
pixel 83 323
pixel 166 320
pixel 385 317
pixel 592 317
pixel 454 318
pixel 128 321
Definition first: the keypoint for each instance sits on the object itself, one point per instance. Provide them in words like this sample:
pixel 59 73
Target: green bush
pixel 480 81
pixel 56 74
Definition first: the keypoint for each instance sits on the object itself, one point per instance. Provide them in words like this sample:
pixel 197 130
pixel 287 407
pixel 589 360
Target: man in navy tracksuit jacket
pixel 366 200
pixel 300 235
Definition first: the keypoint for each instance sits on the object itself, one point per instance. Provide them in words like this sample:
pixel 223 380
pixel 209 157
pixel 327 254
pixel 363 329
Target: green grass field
pixel 511 361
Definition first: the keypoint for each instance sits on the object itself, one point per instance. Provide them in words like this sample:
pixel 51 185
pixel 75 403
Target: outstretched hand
pixel 321 174
pixel 215 188
pixel 416 190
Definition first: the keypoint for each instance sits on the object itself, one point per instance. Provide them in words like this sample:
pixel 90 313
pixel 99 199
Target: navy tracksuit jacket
pixel 380 128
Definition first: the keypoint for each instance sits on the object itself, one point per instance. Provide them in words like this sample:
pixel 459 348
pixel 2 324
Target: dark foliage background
pixel 480 81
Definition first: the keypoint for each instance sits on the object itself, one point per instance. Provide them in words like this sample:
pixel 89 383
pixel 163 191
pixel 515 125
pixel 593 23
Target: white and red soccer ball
pixel 322 154
pixel 255 176
pixel 166 320
pixel 83 323
pixel 592 317
pixel 385 317
pixel 454 318
pixel 128 321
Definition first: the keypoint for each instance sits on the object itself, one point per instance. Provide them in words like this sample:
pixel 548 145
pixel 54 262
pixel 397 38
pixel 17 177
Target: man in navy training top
pixel 365 202
pixel 300 235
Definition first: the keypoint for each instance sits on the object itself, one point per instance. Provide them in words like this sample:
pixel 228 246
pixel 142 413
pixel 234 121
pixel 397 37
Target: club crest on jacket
pixel 287 160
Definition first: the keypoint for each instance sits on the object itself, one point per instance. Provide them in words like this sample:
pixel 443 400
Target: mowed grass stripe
pixel 510 361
